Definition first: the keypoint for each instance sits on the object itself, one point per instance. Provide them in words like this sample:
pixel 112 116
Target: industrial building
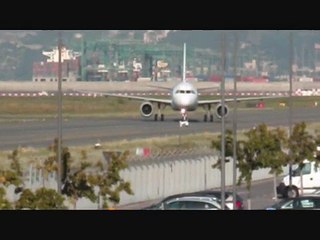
pixel 48 71
pixel 137 60
pixel 123 60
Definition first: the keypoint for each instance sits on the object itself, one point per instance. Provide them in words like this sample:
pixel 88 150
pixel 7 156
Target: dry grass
pixel 79 106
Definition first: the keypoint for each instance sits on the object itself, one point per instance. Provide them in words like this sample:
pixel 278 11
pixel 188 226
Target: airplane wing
pixel 204 102
pixel 138 98
pixel 155 100
pixel 208 88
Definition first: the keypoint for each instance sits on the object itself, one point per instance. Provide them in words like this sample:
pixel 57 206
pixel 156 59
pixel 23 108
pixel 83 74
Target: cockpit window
pixel 186 91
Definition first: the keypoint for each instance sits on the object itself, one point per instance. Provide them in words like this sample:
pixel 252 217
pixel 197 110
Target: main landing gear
pixel 160 107
pixel 208 115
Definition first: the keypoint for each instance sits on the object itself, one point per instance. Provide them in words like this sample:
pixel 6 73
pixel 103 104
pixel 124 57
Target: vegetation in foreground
pixel 273 148
pixel 77 182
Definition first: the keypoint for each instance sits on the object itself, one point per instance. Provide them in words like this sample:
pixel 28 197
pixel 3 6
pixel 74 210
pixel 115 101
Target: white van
pixel 310 180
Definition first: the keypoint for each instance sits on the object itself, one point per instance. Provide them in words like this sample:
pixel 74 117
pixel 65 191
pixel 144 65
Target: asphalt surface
pixel 89 130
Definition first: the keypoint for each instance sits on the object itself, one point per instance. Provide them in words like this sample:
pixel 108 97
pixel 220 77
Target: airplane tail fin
pixel 184 63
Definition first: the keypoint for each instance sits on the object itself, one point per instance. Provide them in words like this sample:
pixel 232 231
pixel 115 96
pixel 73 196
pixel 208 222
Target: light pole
pixel 59 103
pixel 290 102
pixel 234 166
pixel 223 63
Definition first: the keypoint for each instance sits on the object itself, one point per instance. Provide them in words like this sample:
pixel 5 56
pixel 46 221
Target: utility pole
pixel 290 102
pixel 234 166
pixel 223 65
pixel 59 103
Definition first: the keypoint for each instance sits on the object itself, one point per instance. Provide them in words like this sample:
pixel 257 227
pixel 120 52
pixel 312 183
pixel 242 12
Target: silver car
pixel 192 203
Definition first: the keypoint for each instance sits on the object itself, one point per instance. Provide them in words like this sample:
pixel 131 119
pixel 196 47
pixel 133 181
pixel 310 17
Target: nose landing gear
pixel 184 121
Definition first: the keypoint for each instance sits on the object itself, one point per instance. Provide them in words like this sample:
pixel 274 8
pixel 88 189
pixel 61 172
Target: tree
pixel 317 142
pixel 4 203
pixel 48 199
pixel 51 163
pixel 14 174
pixel 42 199
pixel 77 185
pixel 273 155
pixel 10 177
pixel 81 184
pixel 216 144
pixel 109 181
pixel 249 153
pixel 15 164
pixel 302 146
pixel 27 200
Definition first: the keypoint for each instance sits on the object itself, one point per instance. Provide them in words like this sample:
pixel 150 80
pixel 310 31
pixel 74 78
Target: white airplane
pixel 184 98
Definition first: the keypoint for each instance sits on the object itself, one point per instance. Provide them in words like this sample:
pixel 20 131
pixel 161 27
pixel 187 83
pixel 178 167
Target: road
pixel 87 130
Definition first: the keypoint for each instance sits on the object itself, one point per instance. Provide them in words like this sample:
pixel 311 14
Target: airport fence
pixel 160 175
pixel 158 179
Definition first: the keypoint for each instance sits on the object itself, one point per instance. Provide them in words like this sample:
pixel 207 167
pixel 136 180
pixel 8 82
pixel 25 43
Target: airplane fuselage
pixel 184 96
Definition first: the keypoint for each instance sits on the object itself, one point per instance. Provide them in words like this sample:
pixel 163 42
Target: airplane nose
pixel 185 102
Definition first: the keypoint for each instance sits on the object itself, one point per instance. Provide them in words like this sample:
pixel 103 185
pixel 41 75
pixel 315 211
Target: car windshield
pixel 306 169
pixel 279 204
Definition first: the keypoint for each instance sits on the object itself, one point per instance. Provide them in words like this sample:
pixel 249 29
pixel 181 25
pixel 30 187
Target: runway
pixel 88 130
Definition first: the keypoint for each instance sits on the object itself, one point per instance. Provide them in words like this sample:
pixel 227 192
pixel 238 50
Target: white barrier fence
pixel 36 178
pixel 158 180
pixel 154 180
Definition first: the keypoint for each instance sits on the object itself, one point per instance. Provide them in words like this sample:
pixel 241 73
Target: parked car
pixel 193 203
pixel 157 206
pixel 228 198
pixel 216 195
pixel 297 203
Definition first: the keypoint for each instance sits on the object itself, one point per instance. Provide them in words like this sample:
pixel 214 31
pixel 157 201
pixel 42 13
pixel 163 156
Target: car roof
pixel 198 199
pixel 192 198
pixel 171 197
pixel 214 193
pixel 204 193
pixel 305 196
pixel 179 196
pixel 282 201
pixel 218 194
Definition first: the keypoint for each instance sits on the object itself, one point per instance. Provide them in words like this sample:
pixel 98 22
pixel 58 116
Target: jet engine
pixel 146 109
pixel 219 110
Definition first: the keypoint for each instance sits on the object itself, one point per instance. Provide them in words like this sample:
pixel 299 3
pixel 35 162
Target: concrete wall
pixel 158 180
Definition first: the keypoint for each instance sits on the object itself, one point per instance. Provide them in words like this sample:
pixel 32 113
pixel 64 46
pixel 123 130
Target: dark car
pixel 206 193
pixel 297 203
